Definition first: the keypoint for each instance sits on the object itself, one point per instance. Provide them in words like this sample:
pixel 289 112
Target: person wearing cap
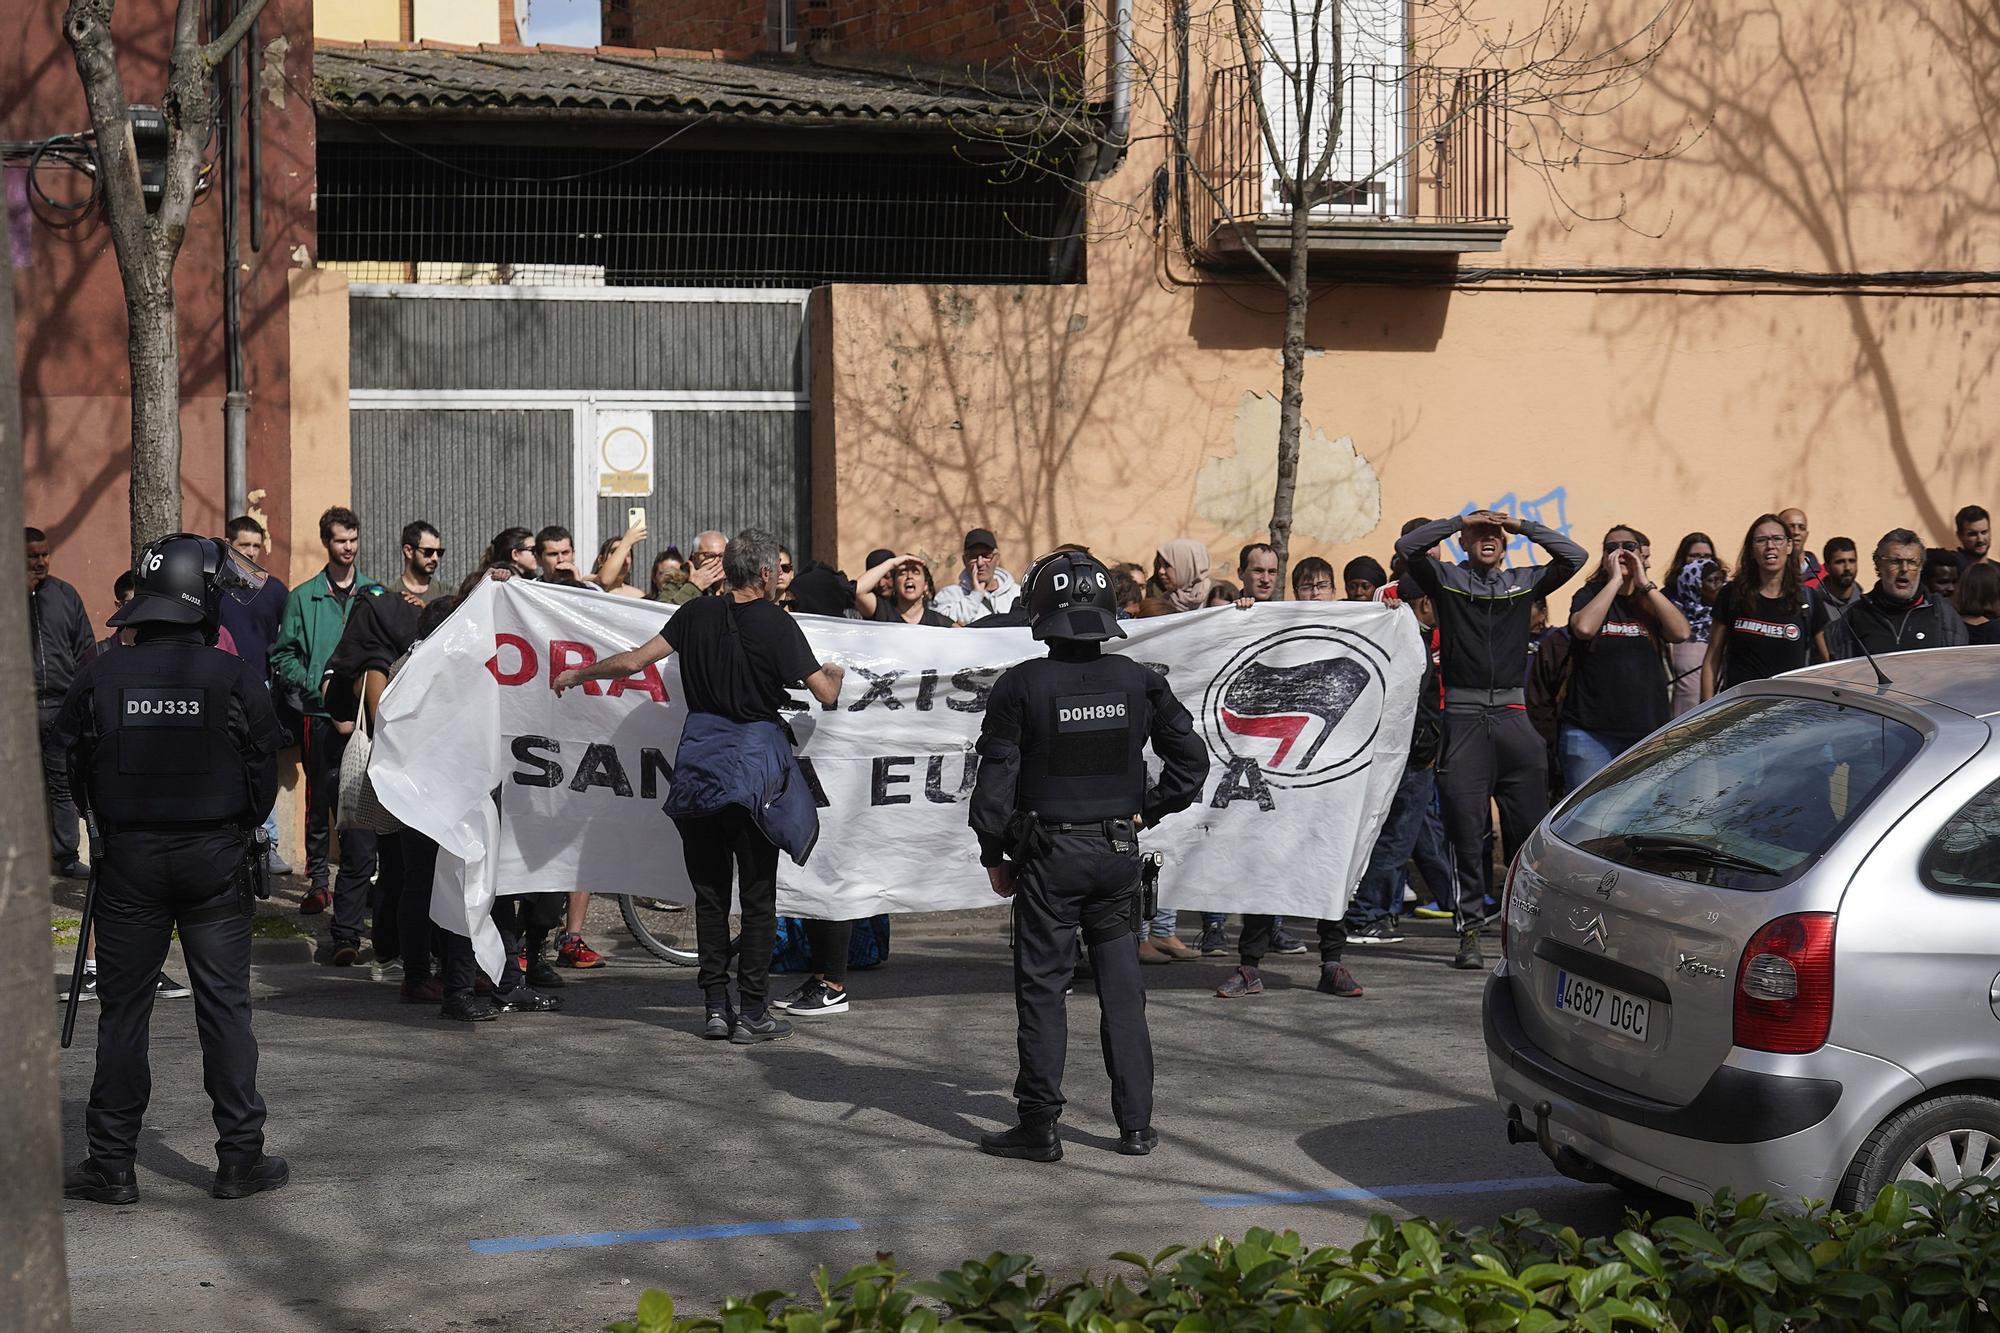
pixel 1058 804
pixel 170 742
pixel 908 599
pixel 984 589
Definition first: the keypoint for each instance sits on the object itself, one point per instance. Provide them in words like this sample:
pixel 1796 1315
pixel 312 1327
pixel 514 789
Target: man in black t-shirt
pixel 736 795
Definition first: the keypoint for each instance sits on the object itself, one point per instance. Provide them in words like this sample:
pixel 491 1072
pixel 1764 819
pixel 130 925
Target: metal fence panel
pixel 721 470
pixel 468 473
pixel 407 342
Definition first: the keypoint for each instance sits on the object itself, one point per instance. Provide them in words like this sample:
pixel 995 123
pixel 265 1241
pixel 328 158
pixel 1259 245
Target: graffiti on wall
pixel 1551 511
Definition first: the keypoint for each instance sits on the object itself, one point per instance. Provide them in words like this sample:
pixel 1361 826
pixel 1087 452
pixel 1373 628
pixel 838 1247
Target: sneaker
pixel 166 988
pixel 275 864
pixel 1335 979
pixel 718 1025
pixel 542 975
pixel 469 1009
pixel 1409 895
pixel 317 900
pixel 1174 947
pixel 1151 953
pixel 428 991
pixel 1469 957
pixel 526 1000
pixel 389 971
pixel 1376 932
pixel 817 998
pixel 1431 912
pixel 571 951
pixel 521 962
pixel 73 870
pixel 344 952
pixel 1214 942
pixel 1283 941
pixel 86 991
pixel 750 1031
pixel 1241 982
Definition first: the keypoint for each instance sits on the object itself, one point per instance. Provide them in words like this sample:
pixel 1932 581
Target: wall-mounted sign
pixel 624 454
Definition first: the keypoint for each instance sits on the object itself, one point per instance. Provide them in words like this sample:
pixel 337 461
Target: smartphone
pixel 635 516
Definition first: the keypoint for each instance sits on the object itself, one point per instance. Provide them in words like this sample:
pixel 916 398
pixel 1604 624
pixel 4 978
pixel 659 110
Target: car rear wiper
pixel 1665 845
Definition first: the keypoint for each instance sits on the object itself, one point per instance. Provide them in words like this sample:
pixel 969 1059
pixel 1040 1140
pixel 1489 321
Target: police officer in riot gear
pixel 170 743
pixel 1059 801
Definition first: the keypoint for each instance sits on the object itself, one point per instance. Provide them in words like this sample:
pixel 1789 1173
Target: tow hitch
pixel 1566 1159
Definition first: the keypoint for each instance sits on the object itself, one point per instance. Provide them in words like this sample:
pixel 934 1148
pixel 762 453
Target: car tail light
pixel 1784 988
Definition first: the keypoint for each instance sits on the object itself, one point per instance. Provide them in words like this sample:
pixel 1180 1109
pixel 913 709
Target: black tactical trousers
pixel 1081 880
pixel 150 885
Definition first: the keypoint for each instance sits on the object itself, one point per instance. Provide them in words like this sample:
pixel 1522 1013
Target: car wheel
pixel 1940 1142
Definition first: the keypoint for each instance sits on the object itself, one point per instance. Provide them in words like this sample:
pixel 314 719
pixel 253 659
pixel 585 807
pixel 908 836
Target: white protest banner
pixel 1305 708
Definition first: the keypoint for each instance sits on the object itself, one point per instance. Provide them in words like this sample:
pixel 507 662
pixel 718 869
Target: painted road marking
pixel 806 1225
pixel 1357 1193
pixel 720 1231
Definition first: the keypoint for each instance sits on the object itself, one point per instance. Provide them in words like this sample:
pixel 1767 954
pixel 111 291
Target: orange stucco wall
pixel 1813 137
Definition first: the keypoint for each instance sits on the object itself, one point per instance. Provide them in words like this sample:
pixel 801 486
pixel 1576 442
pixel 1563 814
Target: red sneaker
pixel 428 991
pixel 571 951
pixel 317 900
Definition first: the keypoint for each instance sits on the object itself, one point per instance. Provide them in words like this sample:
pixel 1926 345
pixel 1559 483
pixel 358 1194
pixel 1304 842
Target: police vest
pixel 1083 736
pixel 163 752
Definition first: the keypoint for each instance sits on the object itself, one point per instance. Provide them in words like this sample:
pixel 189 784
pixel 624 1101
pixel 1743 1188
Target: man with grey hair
pixel 1896 615
pixel 705 572
pixel 737 796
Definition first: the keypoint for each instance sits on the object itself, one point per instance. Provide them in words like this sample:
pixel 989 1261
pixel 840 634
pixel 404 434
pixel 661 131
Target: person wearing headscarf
pixel 1693 594
pixel 1181 569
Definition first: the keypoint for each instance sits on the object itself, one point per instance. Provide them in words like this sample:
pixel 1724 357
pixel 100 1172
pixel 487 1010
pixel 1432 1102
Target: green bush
pixel 1917 1260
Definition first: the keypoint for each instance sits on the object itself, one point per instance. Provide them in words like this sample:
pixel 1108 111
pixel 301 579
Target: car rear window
pixel 1965 856
pixel 1745 796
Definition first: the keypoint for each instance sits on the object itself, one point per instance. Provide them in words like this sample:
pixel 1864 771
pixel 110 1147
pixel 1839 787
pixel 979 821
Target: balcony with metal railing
pixel 1418 167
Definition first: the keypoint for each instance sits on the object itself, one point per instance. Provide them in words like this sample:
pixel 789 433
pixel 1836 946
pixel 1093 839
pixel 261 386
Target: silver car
pixel 1761 950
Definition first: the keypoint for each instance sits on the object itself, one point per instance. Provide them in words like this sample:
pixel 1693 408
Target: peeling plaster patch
pixel 1339 497
pixel 960 310
pixel 271 73
pixel 1078 323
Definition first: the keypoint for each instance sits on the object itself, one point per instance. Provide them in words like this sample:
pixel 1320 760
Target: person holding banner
pixel 737 795
pixel 1058 803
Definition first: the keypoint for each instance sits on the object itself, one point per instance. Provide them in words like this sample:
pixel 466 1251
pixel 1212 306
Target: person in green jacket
pixel 315 617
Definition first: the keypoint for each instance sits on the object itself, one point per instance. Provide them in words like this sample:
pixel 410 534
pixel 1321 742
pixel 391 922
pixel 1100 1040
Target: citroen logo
pixel 1590 925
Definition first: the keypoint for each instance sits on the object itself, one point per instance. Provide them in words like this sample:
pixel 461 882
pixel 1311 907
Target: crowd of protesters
pixel 1520 702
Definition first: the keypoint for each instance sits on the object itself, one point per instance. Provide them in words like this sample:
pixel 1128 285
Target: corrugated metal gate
pixel 477 408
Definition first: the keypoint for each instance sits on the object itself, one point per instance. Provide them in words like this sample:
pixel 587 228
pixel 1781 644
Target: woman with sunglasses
pixel 1765 619
pixel 1617 692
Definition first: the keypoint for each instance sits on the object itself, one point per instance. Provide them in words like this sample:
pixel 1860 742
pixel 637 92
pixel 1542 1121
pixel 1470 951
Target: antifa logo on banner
pixel 1301 706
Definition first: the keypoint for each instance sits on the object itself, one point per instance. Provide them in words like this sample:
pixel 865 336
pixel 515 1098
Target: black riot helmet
pixel 1069 597
pixel 182 580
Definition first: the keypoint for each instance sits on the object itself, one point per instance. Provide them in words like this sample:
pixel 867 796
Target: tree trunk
pixel 1292 388
pixel 153 349
pixel 34 1288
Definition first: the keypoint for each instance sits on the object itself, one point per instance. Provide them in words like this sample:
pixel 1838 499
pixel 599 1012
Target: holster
pixel 1149 884
pixel 1026 838
pixel 253 876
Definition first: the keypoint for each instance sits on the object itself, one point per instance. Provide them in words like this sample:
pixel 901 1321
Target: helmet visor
pixel 239 576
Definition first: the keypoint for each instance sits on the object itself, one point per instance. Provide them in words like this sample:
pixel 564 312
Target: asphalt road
pixel 537 1173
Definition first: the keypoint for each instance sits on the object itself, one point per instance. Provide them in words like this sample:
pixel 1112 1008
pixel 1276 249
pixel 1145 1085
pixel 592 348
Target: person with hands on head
pixel 737 796
pixel 909 596
pixel 1060 798
pixel 1491 749
pixel 1617 691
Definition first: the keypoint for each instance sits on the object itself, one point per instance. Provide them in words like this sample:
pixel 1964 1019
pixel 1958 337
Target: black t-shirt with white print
pixel 1765 636
pixel 1616 684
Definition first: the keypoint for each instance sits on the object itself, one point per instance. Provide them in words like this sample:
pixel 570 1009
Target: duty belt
pixel 1105 826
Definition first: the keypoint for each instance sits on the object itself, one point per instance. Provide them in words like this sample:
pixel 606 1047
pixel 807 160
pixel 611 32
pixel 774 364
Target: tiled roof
pixel 433 79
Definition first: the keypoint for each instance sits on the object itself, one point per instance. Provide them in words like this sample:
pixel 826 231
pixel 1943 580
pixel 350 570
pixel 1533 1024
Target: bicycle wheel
pixel 658 931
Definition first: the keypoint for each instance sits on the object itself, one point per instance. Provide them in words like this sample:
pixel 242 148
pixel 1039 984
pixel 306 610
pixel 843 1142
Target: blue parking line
pixel 719 1231
pixel 1357 1193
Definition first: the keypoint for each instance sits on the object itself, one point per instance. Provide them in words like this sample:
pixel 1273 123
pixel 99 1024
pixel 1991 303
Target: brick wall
pixel 943 31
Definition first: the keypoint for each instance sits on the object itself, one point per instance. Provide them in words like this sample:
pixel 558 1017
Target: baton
pixel 83 929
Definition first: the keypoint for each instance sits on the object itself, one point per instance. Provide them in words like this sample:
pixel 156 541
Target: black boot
pixel 236 1180
pixel 469 1008
pixel 100 1183
pixel 1138 1142
pixel 1031 1141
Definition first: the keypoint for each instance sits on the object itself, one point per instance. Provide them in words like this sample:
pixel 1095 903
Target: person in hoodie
pixel 984 589
pixel 1896 615
pixel 61 642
